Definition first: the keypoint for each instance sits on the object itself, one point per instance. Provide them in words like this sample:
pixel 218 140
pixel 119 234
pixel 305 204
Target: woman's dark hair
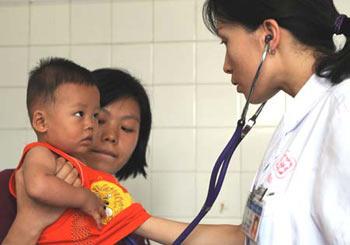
pixel 311 22
pixel 114 85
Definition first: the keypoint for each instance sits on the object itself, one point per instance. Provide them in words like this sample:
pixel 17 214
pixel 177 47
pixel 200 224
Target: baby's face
pixel 72 118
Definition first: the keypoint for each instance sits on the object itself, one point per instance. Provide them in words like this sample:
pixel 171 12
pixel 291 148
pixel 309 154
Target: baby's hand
pixel 94 207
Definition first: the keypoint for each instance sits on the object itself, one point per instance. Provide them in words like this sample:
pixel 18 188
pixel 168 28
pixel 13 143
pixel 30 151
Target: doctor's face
pixel 244 49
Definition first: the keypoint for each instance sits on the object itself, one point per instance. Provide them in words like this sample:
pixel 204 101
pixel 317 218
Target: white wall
pixel 165 44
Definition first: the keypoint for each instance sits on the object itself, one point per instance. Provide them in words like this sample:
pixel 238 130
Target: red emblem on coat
pixel 284 166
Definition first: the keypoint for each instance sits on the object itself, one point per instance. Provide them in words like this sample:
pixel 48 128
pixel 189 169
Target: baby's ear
pixel 39 121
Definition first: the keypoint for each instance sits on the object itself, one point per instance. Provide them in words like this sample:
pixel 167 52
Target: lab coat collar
pixel 304 101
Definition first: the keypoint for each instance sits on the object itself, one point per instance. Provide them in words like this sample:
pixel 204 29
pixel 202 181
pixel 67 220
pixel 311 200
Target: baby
pixel 63 103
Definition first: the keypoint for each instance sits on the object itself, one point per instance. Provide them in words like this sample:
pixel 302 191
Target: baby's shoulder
pixel 39 152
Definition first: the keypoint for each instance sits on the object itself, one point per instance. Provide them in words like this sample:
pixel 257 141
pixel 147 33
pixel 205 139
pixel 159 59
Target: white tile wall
pixel 166 45
pixel 173 150
pixel 91 22
pixel 208 220
pixel 216 105
pixel 173 106
pixel 29 135
pixel 174 15
pixel 174 194
pixel 228 202
pixel 127 26
pixel 13 109
pixel 13 66
pixel 12 147
pixel 174 63
pixel 140 189
pixel 38 52
pixel 92 56
pixel 14 25
pixel 136 58
pixel 209 60
pixel 342 6
pixel 49 23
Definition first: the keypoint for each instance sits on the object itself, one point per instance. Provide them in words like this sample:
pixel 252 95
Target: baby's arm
pixel 166 231
pixel 41 184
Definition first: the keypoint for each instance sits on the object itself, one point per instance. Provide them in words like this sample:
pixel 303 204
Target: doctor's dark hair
pixel 115 84
pixel 311 22
pixel 49 75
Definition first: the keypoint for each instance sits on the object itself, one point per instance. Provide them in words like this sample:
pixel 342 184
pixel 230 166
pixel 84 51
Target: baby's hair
pixel 49 75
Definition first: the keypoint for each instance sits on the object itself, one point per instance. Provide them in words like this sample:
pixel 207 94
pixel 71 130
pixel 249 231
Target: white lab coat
pixel 306 169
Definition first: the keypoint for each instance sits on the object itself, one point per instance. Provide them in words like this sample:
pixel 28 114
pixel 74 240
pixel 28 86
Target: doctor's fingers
pixel 67 172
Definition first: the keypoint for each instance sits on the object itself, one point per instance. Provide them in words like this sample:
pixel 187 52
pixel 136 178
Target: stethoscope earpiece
pixel 268 38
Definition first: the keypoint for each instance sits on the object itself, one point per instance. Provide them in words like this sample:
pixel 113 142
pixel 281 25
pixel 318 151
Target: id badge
pixel 253 213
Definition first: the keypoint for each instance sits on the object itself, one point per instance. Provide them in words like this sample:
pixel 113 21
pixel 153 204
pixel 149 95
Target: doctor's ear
pixel 272 33
pixel 39 121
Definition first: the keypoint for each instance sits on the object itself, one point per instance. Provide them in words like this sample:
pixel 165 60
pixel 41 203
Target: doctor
pixel 301 192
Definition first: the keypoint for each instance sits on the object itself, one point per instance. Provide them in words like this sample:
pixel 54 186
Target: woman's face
pixel 243 54
pixel 116 137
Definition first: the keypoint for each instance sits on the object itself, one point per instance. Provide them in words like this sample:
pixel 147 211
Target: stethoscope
pixel 221 165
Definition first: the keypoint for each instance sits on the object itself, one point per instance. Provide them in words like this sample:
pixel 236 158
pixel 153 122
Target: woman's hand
pixel 66 172
pixel 33 217
pixel 41 214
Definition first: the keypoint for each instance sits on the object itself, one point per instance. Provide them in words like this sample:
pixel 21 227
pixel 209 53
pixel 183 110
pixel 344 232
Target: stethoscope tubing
pixel 130 241
pixel 222 163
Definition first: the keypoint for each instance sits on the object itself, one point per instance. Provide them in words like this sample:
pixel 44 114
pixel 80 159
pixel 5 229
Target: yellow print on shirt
pixel 114 197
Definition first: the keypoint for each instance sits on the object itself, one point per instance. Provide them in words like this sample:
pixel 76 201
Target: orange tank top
pixel 123 216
